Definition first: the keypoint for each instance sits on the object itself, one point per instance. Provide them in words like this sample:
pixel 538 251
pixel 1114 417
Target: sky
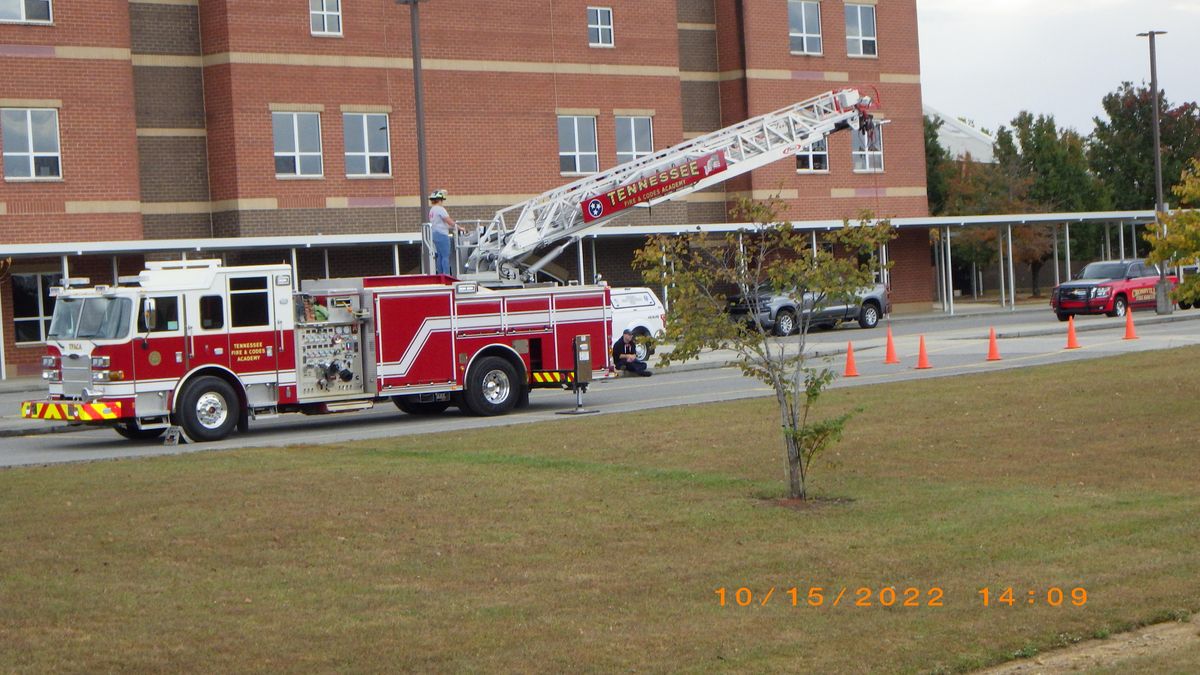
pixel 987 60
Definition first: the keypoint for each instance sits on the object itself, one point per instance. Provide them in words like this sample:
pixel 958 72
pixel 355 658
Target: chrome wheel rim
pixel 785 324
pixel 496 387
pixel 211 410
pixel 641 351
pixel 1121 309
pixel 871 316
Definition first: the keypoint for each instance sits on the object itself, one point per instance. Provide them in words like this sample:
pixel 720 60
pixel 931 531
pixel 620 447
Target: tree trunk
pixel 1035 269
pixel 795 477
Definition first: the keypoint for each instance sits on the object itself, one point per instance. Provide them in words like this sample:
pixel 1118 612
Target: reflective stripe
pixel 71 412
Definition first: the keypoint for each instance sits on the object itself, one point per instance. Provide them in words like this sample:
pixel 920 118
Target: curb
pixel 1149 321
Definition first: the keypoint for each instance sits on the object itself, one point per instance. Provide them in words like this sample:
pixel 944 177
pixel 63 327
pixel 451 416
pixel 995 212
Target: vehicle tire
pixel 131 431
pixel 785 322
pixel 868 316
pixel 1120 306
pixel 208 409
pixel 410 405
pixel 641 348
pixel 492 387
pixel 1063 316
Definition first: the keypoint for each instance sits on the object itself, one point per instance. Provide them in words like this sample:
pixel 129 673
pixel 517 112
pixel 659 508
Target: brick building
pixel 152 119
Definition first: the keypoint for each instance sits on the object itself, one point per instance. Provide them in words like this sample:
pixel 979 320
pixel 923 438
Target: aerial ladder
pixel 499 250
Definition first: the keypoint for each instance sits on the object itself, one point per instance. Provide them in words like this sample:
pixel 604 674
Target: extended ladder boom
pixel 566 213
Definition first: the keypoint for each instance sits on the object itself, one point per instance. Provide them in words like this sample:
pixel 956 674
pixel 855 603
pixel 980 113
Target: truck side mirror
pixel 149 314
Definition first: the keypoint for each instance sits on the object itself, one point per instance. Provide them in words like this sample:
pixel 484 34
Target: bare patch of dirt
pixel 1159 639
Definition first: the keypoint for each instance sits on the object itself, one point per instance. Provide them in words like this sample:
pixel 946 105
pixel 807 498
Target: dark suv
pixel 781 312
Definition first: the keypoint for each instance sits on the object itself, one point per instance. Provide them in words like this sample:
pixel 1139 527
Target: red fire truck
pixel 211 347
pixel 208 348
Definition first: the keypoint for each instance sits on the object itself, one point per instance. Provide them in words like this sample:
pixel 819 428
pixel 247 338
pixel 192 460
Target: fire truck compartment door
pixel 160 350
pixel 415 341
pixel 253 340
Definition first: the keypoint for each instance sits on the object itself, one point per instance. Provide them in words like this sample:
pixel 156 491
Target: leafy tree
pixel 938 166
pixel 1121 150
pixel 703 270
pixel 1181 245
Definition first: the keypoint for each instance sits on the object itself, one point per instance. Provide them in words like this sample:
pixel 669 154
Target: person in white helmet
pixel 441 222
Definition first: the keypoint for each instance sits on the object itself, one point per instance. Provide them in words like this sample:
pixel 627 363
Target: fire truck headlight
pixel 52 375
pixel 1101 291
pixel 100 361
pixel 49 362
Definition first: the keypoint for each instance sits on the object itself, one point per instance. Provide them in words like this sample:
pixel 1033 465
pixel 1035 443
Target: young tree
pixel 705 271
pixel 1181 245
pixel 1121 149
pixel 938 167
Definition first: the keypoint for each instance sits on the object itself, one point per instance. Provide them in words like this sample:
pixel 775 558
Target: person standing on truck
pixel 624 354
pixel 441 222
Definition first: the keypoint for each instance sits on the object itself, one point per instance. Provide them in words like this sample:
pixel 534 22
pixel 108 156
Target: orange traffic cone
pixel 890 355
pixel 922 357
pixel 1130 332
pixel 993 348
pixel 1072 341
pixel 851 370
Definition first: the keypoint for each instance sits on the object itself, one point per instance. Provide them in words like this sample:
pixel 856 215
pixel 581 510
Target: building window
pixel 577 145
pixel 249 302
pixel 367 149
pixel 325 16
pixel 297 144
pixel 600 27
pixel 25 11
pixel 804 27
pixel 860 30
pixel 31 150
pixel 32 306
pixel 868 151
pixel 814 158
pixel 635 138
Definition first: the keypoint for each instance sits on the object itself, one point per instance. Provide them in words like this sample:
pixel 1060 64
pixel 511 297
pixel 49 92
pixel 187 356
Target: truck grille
pixel 76 376
pixel 1073 293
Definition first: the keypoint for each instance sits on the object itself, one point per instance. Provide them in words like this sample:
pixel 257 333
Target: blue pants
pixel 441 250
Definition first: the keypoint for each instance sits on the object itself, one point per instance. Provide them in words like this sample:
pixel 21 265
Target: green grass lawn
pixel 582 544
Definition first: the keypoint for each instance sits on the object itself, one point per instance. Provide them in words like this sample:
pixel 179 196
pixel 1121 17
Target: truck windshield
pixel 1103 271
pixel 90 318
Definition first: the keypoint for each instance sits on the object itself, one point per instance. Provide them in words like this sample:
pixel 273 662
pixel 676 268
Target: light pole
pixel 1163 289
pixel 419 103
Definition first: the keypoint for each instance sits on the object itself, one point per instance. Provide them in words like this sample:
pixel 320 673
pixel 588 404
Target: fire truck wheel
pixel 208 409
pixel 132 432
pixel 492 387
pixel 523 399
pixel 414 407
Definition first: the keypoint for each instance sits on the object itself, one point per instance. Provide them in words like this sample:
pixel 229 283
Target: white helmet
pixel 437 195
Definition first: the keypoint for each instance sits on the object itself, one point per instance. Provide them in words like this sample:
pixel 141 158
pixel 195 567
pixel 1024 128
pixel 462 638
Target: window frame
pixel 577 154
pixel 44 283
pixel 25 15
pixel 367 153
pixel 807 32
pixel 810 151
pixel 866 154
pixel 31 154
pixel 325 13
pixel 600 27
pixel 297 154
pixel 861 38
pixel 636 153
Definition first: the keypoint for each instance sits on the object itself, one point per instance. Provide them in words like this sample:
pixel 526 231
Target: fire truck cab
pixel 209 348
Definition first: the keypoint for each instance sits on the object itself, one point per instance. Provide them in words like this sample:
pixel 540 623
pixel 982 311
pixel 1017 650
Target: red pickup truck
pixel 1108 287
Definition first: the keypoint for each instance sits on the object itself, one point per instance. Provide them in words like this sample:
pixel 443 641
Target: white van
pixel 639 310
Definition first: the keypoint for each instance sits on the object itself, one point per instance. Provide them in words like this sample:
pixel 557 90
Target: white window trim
pixel 637 153
pixel 42 329
pixel 576 153
pixel 31 22
pixel 817 35
pixel 32 155
pixel 861 38
pixel 325 14
pixel 868 154
pixel 297 154
pixel 601 27
pixel 366 154
pixel 808 151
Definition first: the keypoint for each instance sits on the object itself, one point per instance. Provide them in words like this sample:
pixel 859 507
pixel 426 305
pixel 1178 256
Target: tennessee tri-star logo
pixel 596 208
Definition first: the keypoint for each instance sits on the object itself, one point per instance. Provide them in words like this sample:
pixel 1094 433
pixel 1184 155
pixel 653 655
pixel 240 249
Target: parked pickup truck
pixel 1109 287
pixel 781 312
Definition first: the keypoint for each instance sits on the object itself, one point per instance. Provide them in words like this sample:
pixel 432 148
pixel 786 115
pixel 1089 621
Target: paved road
pixel 956 346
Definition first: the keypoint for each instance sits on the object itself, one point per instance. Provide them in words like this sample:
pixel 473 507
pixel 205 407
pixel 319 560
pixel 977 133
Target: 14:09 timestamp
pixel 1053 596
